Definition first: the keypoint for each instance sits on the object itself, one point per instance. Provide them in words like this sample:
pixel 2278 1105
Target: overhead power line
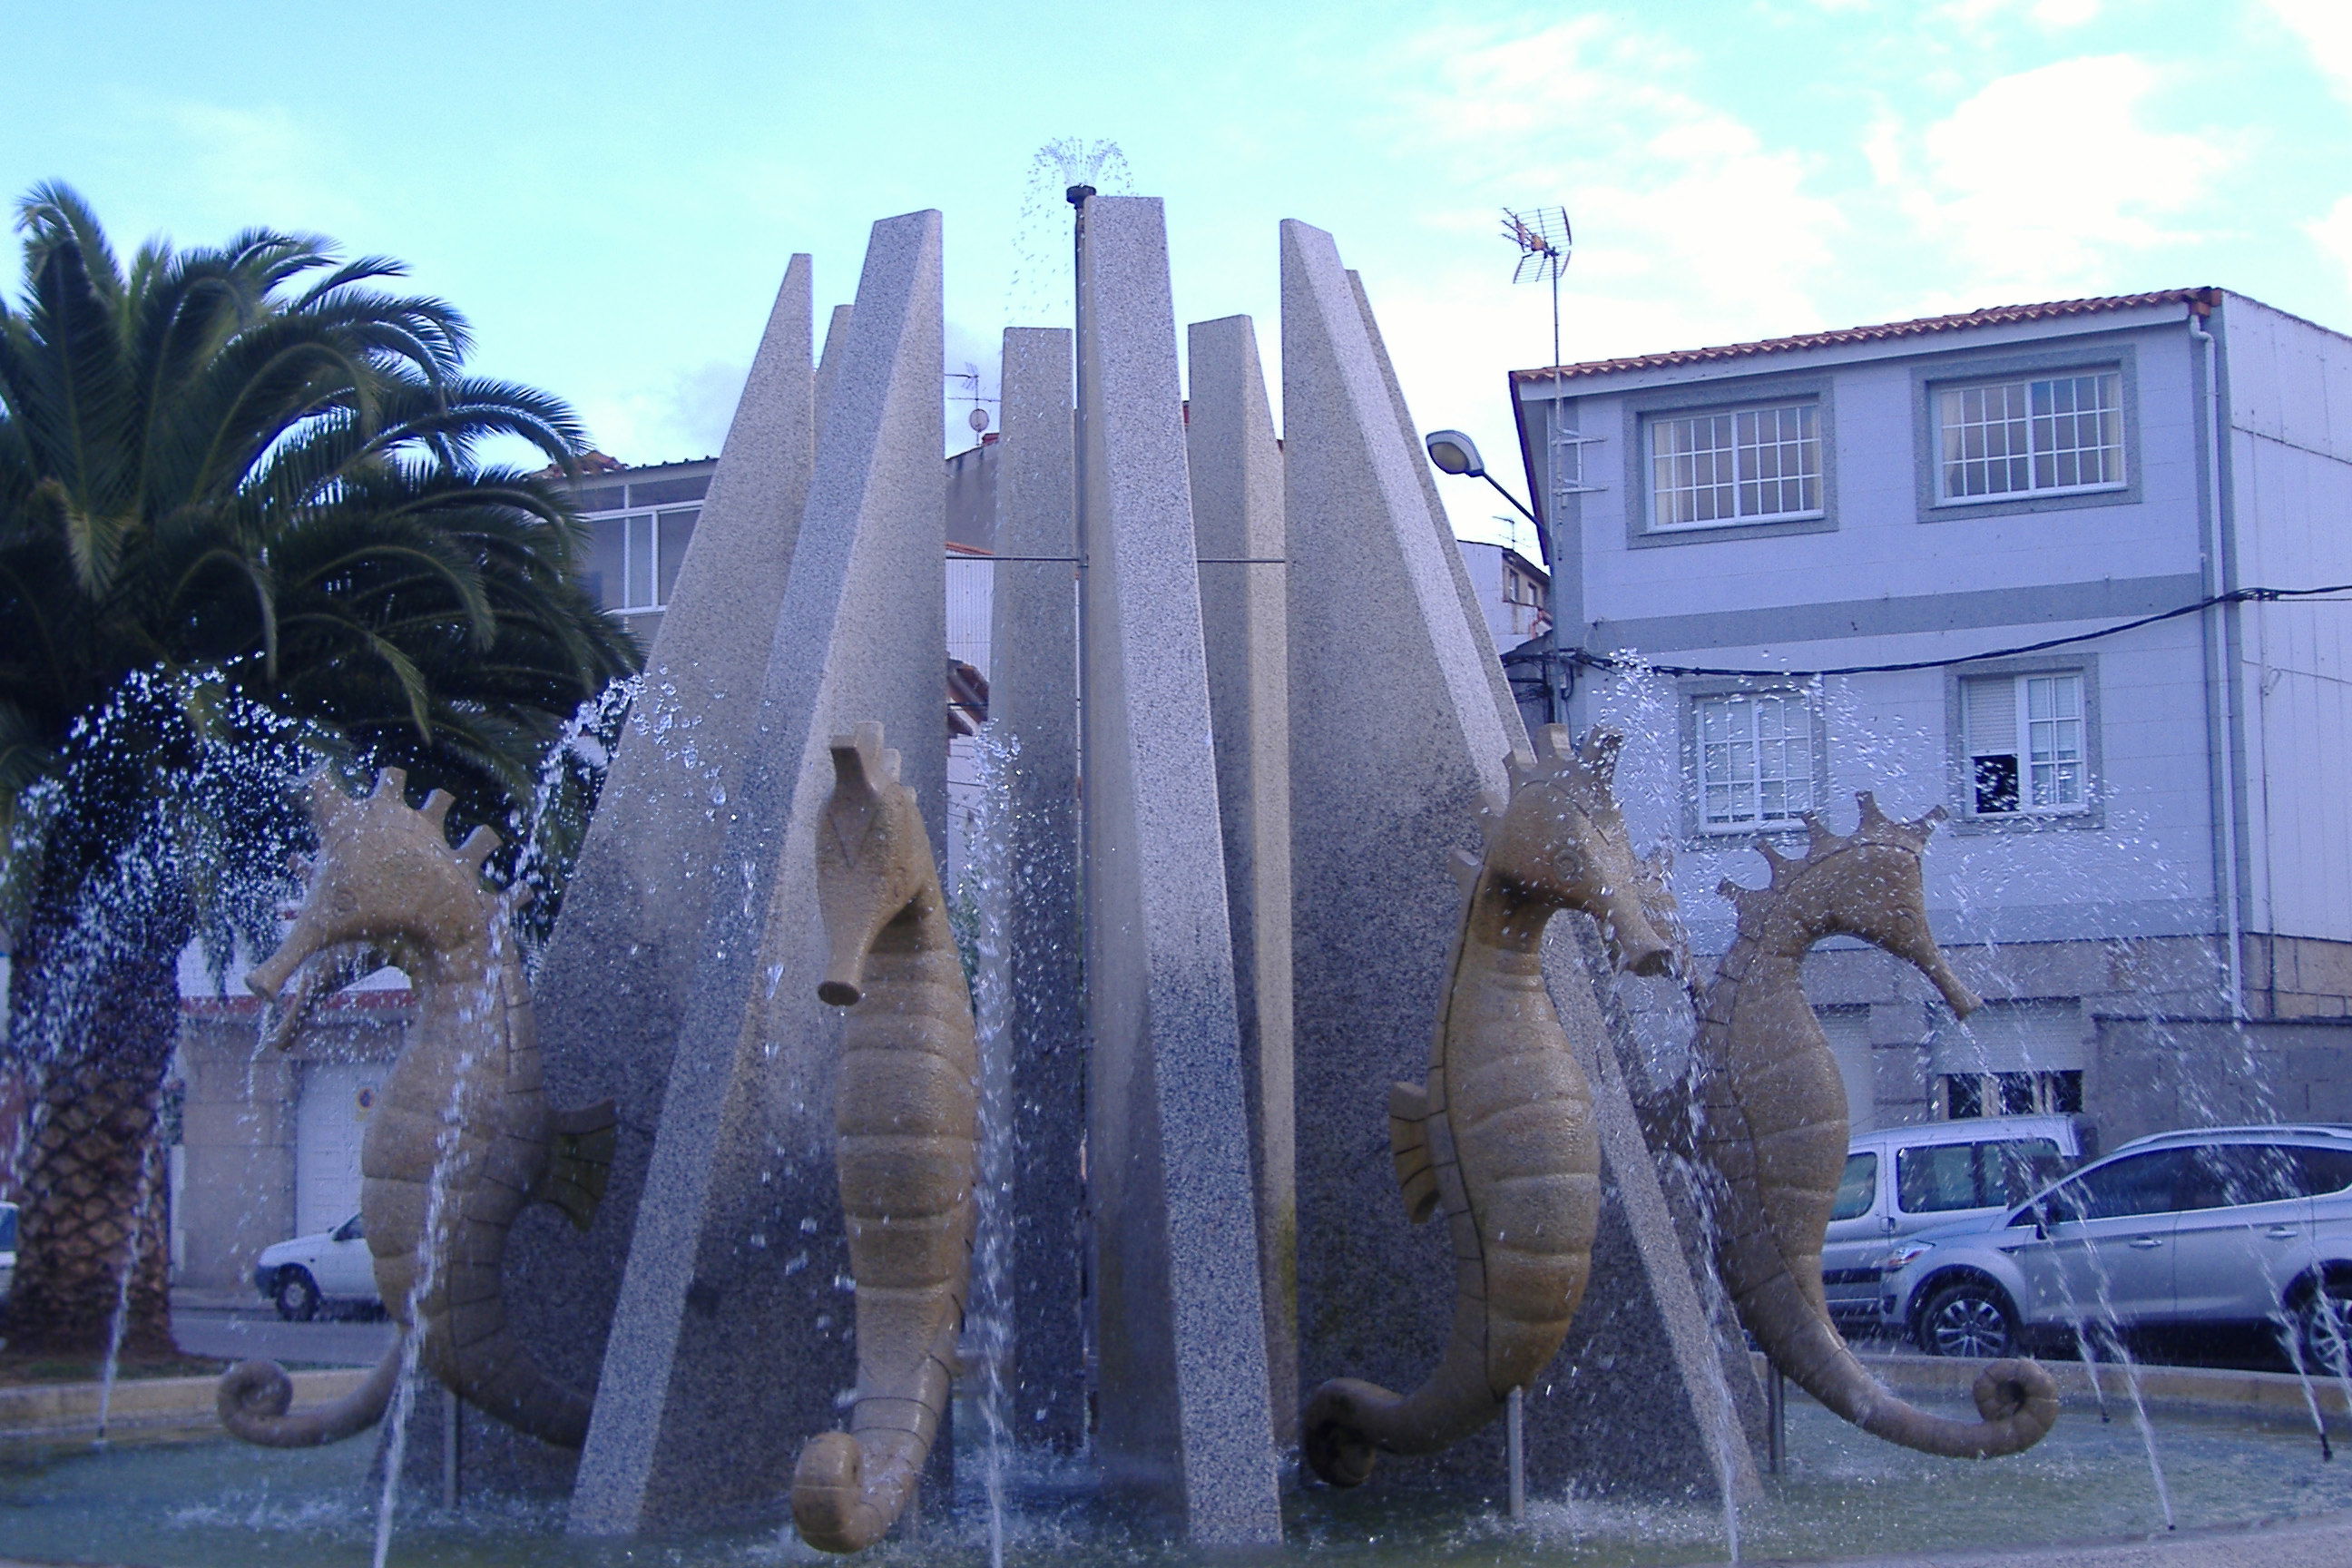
pixel 1631 664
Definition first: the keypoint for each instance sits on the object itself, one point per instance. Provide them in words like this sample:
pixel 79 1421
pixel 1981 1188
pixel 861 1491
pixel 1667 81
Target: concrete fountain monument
pixel 1230 934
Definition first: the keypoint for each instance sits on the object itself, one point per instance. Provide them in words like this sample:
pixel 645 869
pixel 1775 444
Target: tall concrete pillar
pixel 731 1336
pixel 1178 1323
pixel 1235 466
pixel 1034 713
pixel 1399 721
pixel 612 985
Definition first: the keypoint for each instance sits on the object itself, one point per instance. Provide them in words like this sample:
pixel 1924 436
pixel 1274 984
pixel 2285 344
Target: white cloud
pixel 2048 15
pixel 1689 225
pixel 2324 27
pixel 2039 180
pixel 263 166
pixel 2333 235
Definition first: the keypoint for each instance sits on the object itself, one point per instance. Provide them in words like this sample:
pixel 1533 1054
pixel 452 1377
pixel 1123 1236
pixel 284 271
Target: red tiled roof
pixel 2202 300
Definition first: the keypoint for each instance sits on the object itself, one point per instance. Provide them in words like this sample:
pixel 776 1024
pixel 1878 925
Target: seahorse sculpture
pixel 1500 1136
pixel 1772 1126
pixel 461 1137
pixel 906 1113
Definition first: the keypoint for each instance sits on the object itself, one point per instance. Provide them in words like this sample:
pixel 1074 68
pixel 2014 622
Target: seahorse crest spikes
pixel 1500 1135
pixel 462 1137
pixel 1773 1128
pixel 906 1113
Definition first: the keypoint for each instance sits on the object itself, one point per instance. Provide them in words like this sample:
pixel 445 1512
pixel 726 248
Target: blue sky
pixel 611 190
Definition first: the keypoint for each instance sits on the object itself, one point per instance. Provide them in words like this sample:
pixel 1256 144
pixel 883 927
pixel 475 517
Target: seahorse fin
pixel 1409 1142
pixel 579 1161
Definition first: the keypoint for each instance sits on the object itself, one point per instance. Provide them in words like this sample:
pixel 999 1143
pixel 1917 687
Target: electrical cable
pixel 1635 665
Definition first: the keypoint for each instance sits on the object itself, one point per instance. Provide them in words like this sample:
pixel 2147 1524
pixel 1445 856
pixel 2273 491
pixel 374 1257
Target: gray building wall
pixel 2121 910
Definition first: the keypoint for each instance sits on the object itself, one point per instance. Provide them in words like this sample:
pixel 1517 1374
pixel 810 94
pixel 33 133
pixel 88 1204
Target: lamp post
pixel 1455 453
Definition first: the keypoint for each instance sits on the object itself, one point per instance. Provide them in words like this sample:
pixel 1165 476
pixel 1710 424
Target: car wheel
pixel 2324 1323
pixel 1968 1318
pixel 297 1296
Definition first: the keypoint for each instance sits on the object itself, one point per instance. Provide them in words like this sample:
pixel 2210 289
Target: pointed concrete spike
pixel 479 845
pixel 1234 465
pixel 1871 814
pixel 1180 1325
pixel 1441 527
pixel 1554 742
pixel 435 809
pixel 634 911
pixel 1376 580
pixel 828 366
pixel 891 763
pixel 693 1425
pixel 1032 706
pixel 391 784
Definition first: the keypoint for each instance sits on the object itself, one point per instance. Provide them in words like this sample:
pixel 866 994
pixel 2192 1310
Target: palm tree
pixel 242 526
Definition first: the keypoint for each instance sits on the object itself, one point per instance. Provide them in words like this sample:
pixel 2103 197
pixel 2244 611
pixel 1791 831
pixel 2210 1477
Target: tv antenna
pixel 970 377
pixel 1545 242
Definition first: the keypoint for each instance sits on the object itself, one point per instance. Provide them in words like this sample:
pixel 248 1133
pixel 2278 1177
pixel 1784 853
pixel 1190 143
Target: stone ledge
pixel 150 1406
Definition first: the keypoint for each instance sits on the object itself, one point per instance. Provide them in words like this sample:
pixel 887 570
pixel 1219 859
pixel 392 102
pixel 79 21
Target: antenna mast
pixel 1545 241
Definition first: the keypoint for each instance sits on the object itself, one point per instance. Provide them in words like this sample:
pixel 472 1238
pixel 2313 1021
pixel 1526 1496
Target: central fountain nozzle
pixel 1076 195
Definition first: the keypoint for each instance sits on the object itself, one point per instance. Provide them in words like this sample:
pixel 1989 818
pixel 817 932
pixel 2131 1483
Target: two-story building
pixel 1971 561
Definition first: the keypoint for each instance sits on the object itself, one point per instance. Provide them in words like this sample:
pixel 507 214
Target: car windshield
pixel 1856 1187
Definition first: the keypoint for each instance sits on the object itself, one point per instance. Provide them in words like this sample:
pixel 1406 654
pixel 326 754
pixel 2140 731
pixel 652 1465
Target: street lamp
pixel 1455 453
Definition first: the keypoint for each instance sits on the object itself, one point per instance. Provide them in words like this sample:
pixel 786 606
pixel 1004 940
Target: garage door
pixel 336 1099
pixel 1848 1030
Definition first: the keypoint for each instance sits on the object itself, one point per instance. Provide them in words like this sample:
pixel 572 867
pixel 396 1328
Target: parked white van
pixel 1902 1180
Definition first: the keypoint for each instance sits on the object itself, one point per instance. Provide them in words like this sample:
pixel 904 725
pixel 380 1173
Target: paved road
pixel 240 1333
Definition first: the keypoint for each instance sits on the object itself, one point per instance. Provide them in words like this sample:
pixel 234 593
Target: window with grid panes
pixel 1754 753
pixel 2024 739
pixel 1745 465
pixel 2021 438
pixel 637 556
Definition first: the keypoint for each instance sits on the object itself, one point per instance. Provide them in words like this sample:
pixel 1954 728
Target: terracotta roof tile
pixel 1999 315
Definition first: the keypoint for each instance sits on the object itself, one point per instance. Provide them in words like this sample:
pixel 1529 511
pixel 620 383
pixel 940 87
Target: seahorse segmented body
pixel 1772 1126
pixel 461 1137
pixel 1500 1135
pixel 905 1112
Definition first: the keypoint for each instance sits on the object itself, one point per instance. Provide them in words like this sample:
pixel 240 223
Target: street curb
pixel 153 1407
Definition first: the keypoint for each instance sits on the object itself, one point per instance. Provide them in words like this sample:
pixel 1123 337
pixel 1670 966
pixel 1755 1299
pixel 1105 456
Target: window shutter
pixel 1990 720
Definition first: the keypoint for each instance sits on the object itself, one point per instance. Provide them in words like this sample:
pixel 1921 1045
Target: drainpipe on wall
pixel 2221 716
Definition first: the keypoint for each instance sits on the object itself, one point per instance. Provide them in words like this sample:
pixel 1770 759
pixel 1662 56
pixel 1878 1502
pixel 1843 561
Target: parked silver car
pixel 1901 1181
pixel 2217 1225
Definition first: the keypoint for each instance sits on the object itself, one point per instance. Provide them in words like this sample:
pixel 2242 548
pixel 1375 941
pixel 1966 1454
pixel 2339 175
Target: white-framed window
pixel 1753 753
pixel 638 556
pixel 2031 436
pixel 1742 465
pixel 2025 738
pixel 1962 1095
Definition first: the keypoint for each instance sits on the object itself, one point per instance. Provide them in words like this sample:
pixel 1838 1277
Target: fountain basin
pixel 2233 1460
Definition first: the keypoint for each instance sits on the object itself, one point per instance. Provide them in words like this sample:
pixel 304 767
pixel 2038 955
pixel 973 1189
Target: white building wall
pixel 2290 467
pixel 2148 868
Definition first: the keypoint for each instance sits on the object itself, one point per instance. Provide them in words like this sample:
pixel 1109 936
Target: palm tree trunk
pixel 96 1199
